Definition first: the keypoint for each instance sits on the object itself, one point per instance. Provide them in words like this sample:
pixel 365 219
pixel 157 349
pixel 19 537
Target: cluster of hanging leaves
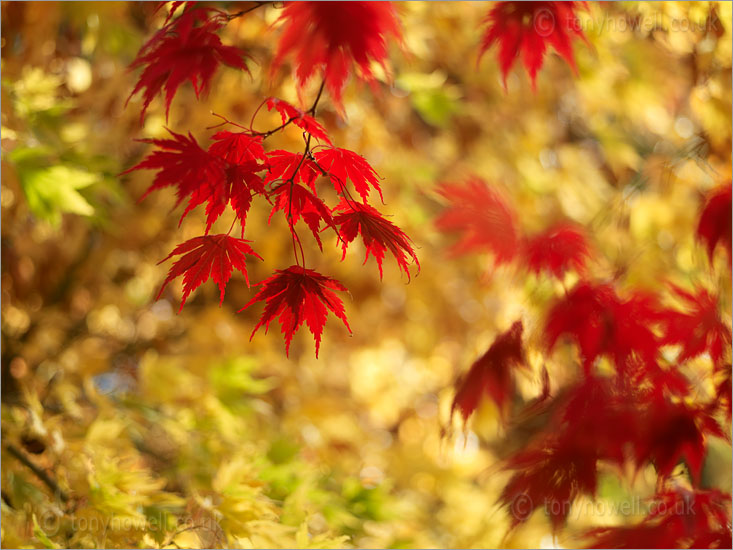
pixel 236 170
pixel 643 412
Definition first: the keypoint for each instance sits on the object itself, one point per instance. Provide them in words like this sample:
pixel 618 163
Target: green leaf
pixel 54 190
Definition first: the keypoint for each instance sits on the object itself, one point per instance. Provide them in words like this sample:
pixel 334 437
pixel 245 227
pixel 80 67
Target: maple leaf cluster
pixel 235 169
pixel 643 412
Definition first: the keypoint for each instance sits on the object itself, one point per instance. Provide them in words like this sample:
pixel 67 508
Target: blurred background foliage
pixel 173 430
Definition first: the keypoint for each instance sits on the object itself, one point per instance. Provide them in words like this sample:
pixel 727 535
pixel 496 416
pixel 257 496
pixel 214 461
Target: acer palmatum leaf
pixel 238 147
pixel 483 217
pixel 225 174
pixel 715 221
pixel 284 166
pixel 377 233
pixel 297 295
pixel 299 118
pixel 297 202
pixel 491 375
pixel 331 37
pixel 559 249
pixel 550 477
pixel 187 48
pixel 181 163
pixel 525 29
pixel 678 518
pixel 699 327
pixel 674 431
pixel 601 323
pixel 209 256
pixel 342 164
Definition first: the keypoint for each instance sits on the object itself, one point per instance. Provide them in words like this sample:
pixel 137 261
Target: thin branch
pixel 38 471
pixel 244 12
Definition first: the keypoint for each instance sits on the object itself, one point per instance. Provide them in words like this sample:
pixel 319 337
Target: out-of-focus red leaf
pixel 715 220
pixel 678 518
pixel 377 233
pixel 526 28
pixel 483 217
pixel 209 256
pixel 601 323
pixel 491 374
pixel 297 295
pixel 674 431
pixel 561 248
pixel 699 328
pixel 330 37
pixel 187 48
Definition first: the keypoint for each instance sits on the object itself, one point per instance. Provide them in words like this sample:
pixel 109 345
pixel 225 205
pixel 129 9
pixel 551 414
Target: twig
pixel 39 472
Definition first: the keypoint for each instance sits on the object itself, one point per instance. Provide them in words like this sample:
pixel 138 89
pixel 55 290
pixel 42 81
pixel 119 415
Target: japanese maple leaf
pixel 526 28
pixel 596 415
pixel 284 166
pixel 377 233
pixel 238 147
pixel 299 118
pixel 678 518
pixel 492 374
pixel 674 431
pixel 187 48
pixel 483 216
pixel 342 164
pixel 209 256
pixel 550 476
pixel 241 157
pixel 559 249
pixel 330 37
pixel 699 328
pixel 297 202
pixel 297 295
pixel 715 221
pixel 601 323
pixel 181 163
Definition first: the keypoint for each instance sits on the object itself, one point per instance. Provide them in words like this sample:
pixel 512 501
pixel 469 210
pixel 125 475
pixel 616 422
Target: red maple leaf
pixel 674 431
pixel 715 220
pixel 677 518
pixel 328 37
pixel 491 374
pixel 378 234
pixel 297 202
pixel 601 323
pixel 183 51
pixel 699 328
pixel 284 166
pixel 297 295
pixel 242 157
pixel 485 218
pixel 299 118
pixel 341 165
pixel 209 256
pixel 557 250
pixel 526 28
pixel 549 476
pixel 226 174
